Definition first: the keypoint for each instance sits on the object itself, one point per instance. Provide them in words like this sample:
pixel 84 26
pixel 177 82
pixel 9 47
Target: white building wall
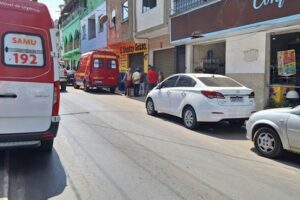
pixel 246 53
pixel 150 18
pixel 247 59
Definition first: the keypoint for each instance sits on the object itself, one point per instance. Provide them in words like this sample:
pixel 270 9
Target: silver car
pixel 275 130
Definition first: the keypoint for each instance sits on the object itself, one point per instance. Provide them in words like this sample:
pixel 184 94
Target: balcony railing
pixel 79 11
pixel 181 6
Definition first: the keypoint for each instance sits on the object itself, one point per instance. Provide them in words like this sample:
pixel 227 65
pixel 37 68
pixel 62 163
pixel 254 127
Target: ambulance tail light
pixel 56 99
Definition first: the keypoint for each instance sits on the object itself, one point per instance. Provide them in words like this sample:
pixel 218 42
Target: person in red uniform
pixel 152 77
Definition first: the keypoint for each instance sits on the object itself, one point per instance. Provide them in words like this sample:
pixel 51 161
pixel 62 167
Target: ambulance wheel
pixel 63 86
pixel 46 145
pixel 85 87
pixel 112 90
pixel 75 85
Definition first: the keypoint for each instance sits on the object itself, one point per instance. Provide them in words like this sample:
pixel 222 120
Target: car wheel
pixel 237 123
pixel 75 85
pixel 46 145
pixel 190 118
pixel 85 87
pixel 112 90
pixel 63 86
pixel 268 143
pixel 150 108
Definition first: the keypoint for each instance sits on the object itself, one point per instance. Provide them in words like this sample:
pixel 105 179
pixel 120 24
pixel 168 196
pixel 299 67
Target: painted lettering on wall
pixel 258 4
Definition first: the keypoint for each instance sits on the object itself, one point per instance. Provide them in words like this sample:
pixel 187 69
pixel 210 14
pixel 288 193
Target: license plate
pixel 98 81
pixel 237 99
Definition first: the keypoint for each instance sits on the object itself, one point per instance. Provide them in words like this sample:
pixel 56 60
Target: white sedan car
pixel 275 130
pixel 202 98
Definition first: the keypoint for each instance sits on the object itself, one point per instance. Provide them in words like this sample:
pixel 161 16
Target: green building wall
pixel 73 30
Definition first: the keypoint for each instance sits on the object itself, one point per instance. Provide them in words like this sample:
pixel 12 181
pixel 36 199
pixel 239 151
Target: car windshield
pixel 219 82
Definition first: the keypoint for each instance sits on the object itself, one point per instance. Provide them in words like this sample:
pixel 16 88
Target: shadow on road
pixel 288 158
pixel 220 130
pixel 102 92
pixel 35 175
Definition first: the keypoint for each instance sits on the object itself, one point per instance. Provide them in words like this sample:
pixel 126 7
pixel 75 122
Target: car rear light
pixel 65 73
pixel 48 136
pixel 213 95
pixel 56 98
pixel 252 95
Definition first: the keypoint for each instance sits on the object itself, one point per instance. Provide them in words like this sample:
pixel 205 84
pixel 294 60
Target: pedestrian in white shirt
pixel 136 79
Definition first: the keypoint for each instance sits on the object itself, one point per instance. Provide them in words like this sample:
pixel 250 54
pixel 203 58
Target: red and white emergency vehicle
pixel 97 69
pixel 29 75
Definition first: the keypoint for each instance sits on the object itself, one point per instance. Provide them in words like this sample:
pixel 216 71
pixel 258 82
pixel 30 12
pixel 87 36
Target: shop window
pixel 113 18
pixel 149 4
pixel 285 65
pixel 92 28
pixel 209 58
pixel 125 11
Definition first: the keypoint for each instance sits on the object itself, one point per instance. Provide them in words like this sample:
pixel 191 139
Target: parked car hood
pixel 274 111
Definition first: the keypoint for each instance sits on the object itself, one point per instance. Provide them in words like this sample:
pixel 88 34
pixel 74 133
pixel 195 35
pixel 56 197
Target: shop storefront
pixel 209 58
pixel 254 42
pixel 285 66
pixel 131 55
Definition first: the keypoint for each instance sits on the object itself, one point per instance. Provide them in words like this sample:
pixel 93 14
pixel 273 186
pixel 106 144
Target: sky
pixel 53 7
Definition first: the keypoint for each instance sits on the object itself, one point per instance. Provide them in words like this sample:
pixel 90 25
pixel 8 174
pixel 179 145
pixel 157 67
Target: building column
pixel 189 58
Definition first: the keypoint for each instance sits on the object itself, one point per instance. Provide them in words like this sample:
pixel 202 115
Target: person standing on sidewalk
pixel 136 79
pixel 143 84
pixel 128 81
pixel 160 77
pixel 152 77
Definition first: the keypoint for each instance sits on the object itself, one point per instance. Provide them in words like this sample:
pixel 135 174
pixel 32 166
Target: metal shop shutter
pixel 164 60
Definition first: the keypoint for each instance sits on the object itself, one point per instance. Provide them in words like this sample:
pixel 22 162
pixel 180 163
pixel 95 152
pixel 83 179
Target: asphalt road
pixel 109 148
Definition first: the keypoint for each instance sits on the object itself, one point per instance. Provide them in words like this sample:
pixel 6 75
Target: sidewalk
pixel 141 98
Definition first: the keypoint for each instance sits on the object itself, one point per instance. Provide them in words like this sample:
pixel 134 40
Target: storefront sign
pixel 133 48
pixel 123 50
pixel 286 63
pixel 258 4
pixel 224 15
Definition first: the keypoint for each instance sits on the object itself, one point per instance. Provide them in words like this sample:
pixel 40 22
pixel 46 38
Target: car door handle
pixel 183 94
pixel 168 92
pixel 8 95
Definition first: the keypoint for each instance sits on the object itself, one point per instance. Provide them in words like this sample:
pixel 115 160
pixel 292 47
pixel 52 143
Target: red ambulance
pixel 29 75
pixel 97 69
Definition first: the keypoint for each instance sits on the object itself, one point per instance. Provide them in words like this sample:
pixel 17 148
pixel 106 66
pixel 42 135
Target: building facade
pixel 255 42
pixel 70 27
pixel 132 54
pixel 94 28
pixel 151 26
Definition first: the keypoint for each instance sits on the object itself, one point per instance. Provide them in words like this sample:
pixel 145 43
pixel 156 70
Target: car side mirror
pixel 296 112
pixel 159 86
